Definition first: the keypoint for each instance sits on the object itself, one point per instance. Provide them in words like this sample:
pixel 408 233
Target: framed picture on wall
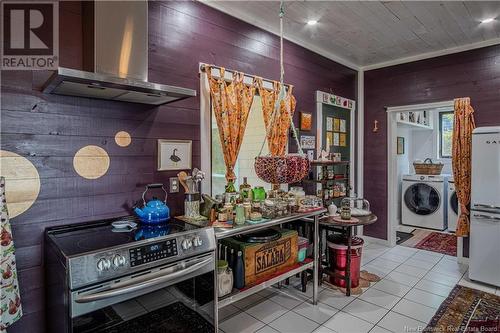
pixel 336 124
pixel 329 139
pixel 336 139
pixel 305 121
pixel 308 141
pixel 400 145
pixel 343 128
pixel 343 140
pixel 329 123
pixel 174 154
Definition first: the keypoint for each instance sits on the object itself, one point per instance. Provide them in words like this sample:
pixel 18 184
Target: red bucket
pixel 337 247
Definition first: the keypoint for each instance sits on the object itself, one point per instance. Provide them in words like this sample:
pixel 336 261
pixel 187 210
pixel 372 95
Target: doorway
pixel 417 204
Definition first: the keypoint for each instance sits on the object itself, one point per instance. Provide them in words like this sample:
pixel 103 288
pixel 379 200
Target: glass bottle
pixel 239 272
pixel 246 189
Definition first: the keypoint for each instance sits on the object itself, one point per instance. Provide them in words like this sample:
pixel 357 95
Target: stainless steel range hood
pixel 116 36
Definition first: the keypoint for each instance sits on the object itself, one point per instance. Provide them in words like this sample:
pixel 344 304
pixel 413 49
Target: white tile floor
pixel 414 284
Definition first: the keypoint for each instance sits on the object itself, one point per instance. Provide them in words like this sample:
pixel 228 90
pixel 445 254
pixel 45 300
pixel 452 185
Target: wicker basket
pixel 428 168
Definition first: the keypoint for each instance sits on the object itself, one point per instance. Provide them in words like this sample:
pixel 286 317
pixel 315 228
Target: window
pixel 252 141
pixel 445 134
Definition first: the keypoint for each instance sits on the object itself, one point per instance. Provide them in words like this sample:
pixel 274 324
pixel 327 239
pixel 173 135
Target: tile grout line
pixel 413 287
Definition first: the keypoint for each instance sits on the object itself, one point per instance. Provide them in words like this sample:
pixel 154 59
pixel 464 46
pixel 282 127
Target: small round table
pixel 329 224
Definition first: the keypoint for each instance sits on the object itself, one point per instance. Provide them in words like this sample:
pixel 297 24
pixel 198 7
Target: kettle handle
pixel 150 186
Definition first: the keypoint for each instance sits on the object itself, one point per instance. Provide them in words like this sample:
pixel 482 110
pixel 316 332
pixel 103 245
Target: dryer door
pixel 454 202
pixel 422 199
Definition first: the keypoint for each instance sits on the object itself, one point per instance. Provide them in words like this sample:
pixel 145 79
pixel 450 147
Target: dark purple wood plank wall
pixel 49 129
pixel 473 73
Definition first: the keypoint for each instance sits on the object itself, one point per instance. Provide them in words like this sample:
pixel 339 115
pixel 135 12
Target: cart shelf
pixel 237 295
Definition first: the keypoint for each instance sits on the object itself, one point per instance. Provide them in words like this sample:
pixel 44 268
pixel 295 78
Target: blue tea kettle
pixel 154 211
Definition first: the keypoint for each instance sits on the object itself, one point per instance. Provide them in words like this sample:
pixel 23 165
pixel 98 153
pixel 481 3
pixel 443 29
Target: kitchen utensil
pixel 182 179
pixel 154 211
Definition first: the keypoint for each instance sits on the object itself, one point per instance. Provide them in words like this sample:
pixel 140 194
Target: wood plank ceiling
pixel 364 33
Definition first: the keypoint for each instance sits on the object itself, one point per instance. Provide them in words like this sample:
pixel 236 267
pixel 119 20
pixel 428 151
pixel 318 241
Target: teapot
pixel 154 211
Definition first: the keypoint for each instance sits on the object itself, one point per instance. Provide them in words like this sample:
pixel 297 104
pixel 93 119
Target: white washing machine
pixel 453 208
pixel 423 201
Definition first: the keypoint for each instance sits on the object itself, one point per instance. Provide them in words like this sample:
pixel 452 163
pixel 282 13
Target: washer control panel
pixel 152 252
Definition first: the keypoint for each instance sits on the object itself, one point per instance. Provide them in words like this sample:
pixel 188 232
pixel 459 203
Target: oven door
pixel 178 297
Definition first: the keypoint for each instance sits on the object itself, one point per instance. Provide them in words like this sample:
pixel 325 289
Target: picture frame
pixel 308 141
pixel 329 123
pixel 400 145
pixel 343 140
pixel 343 124
pixel 305 121
pixel 336 139
pixel 174 154
pixel 336 124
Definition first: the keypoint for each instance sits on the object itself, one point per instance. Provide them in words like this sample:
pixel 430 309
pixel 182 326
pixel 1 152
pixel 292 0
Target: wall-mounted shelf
pixel 412 125
pixel 414 120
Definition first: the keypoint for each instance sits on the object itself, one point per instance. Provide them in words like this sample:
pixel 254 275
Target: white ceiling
pixel 369 34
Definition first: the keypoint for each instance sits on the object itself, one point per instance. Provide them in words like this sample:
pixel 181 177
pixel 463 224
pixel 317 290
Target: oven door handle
pixel 145 283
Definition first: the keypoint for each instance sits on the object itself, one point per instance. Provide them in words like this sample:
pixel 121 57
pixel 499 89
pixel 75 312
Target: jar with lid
pixel 281 208
pixel 268 209
pixel 224 278
pixel 345 209
pixel 228 209
pixel 247 206
pixel 298 192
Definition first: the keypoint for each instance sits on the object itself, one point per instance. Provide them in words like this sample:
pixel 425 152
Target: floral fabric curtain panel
pixel 461 156
pixel 277 137
pixel 231 104
pixel 10 301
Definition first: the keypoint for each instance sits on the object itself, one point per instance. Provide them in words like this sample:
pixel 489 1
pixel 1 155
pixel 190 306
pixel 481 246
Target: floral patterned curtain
pixel 231 103
pixel 10 302
pixel 277 137
pixel 461 156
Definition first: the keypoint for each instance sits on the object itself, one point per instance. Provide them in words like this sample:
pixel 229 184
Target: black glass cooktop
pixel 87 237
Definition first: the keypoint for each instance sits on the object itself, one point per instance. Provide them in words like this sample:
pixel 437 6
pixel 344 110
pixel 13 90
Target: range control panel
pixel 153 252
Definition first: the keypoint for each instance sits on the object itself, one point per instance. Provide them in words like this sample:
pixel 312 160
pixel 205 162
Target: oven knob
pixel 186 244
pixel 103 264
pixel 118 260
pixel 197 241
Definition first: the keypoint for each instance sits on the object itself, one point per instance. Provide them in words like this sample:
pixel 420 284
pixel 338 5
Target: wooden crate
pixel 265 259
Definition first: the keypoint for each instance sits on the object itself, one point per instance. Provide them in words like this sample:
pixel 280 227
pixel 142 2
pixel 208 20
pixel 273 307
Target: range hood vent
pixel 116 33
pixel 73 82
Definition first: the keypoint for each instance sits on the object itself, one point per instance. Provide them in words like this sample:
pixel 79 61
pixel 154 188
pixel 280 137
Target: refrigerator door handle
pixel 486 206
pixel 486 217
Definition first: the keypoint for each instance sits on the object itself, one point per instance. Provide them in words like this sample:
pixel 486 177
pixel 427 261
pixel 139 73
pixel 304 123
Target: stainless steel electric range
pixel 147 279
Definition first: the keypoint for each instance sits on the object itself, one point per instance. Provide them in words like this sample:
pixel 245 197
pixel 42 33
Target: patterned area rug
pixel 467 310
pixel 439 242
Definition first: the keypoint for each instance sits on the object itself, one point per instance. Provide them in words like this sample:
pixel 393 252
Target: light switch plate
pixel 174 185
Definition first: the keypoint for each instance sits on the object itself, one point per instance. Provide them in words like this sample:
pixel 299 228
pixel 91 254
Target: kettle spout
pixel 139 212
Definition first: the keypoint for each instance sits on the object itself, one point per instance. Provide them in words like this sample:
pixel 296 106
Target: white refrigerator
pixel 484 256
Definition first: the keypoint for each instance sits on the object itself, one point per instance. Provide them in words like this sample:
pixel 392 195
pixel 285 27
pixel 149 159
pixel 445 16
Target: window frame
pixel 440 135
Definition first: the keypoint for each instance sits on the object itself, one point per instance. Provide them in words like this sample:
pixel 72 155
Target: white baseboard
pixel 375 240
